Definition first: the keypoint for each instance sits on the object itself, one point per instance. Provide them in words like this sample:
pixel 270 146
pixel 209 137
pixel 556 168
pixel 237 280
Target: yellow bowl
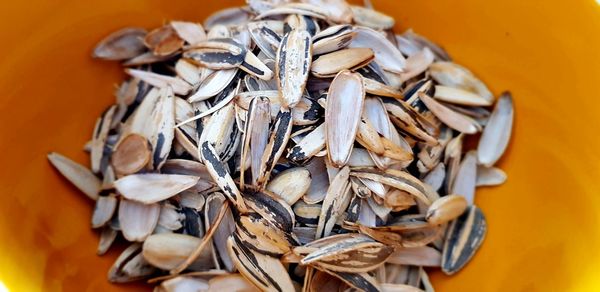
pixel 544 232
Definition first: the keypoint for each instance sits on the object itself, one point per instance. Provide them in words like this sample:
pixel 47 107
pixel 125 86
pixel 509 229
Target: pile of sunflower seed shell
pixel 288 146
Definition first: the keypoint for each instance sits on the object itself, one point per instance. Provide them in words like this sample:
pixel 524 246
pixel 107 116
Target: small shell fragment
pixel 170 218
pixel 192 33
pixel 490 176
pixel 163 41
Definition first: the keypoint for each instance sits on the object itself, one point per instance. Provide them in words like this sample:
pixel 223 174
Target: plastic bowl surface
pixel 544 230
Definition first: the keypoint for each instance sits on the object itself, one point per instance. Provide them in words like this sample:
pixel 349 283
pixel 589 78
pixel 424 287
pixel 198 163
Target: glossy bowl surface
pixel 544 230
